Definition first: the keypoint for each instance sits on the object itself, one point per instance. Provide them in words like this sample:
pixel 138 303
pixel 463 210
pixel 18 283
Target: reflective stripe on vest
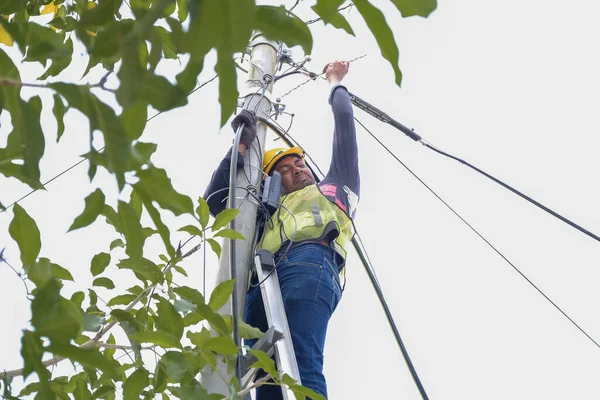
pixel 312 213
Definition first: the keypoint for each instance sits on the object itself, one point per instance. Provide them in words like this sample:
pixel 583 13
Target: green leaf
pixel 104 282
pixel 134 119
pixel 101 117
pixel 421 8
pixel 264 362
pixel 131 74
pixel 180 270
pixel 161 94
pixel 90 358
pixel 190 294
pixel 108 352
pixel 301 392
pixel 25 232
pixel 230 234
pixel 182 10
pixel 54 316
pixel 132 229
pixel 383 34
pixel 112 218
pixel 137 290
pixel 221 345
pixel 203 212
pixel 61 62
pixel 168 319
pixel 246 331
pixel 191 229
pixel 59 111
pixel 216 247
pixel 101 14
pixel 221 294
pixel 187 78
pixel 99 263
pixel 29 389
pixel 136 204
pixel 175 366
pixel 93 298
pixel 60 272
pixel 9 7
pixel 92 322
pixel 39 272
pixel 160 338
pixel 94 204
pixel 184 306
pixel 328 11
pixel 123 299
pixel 77 298
pixel 163 230
pixel 168 46
pixel 135 384
pixel 104 392
pixel 156 185
pixel 227 26
pixel 92 62
pixel 223 218
pixel 195 391
pixel 278 23
pixel 27 138
pixel 170 9
pixel 144 269
pixel 126 320
pixel 116 243
pixel 81 391
pixel 32 351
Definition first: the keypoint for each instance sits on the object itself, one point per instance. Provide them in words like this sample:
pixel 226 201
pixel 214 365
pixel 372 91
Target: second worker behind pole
pixel 309 234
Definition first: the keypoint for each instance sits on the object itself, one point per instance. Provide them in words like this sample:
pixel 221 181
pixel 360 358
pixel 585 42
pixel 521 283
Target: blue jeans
pixel 310 287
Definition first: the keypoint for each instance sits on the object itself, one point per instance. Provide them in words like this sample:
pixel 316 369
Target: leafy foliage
pixel 129 40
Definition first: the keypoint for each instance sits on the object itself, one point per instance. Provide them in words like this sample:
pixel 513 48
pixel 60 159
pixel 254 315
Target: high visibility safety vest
pixel 307 215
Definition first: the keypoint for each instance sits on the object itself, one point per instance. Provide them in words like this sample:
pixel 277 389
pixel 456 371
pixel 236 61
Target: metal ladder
pixel 277 340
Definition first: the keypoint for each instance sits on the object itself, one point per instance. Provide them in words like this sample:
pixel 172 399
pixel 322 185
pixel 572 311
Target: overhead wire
pixel 479 234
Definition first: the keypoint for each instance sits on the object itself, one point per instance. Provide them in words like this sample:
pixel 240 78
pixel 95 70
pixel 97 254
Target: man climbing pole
pixel 309 234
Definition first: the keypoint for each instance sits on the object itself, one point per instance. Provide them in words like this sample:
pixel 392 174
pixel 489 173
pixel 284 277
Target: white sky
pixel 511 87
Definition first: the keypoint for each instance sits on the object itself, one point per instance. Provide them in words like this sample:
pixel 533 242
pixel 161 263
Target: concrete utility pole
pixel 263 60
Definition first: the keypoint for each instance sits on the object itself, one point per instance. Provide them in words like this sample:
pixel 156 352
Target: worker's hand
pixel 336 71
pixel 248 118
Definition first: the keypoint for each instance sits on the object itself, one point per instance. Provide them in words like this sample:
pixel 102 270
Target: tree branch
pixel 256 384
pixel 95 342
pixel 312 21
pixel 122 347
pixel 14 83
pixel 19 274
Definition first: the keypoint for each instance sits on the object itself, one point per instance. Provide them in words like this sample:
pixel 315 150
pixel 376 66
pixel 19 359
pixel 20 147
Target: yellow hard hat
pixel 272 156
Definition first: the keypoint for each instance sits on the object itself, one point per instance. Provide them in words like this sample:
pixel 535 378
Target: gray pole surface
pixel 263 60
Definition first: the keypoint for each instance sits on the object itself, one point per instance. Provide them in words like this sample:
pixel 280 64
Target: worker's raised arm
pixel 344 160
pixel 217 190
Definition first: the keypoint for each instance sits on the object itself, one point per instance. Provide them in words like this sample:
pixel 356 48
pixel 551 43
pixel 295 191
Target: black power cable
pixel 479 234
pixel 515 191
pixel 382 116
